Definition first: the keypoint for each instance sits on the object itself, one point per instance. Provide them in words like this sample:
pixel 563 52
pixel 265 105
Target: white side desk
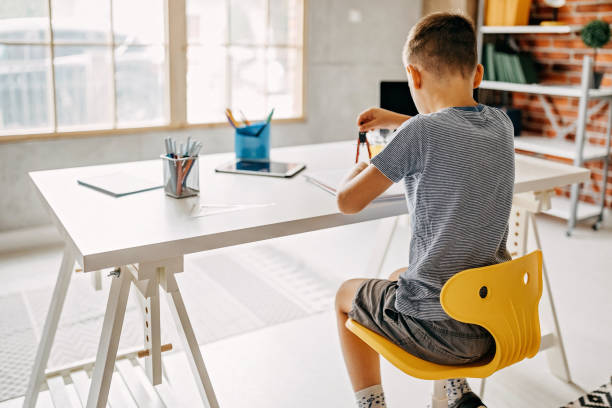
pixel 146 235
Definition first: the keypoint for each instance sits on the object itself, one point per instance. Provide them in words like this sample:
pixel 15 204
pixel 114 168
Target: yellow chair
pixel 502 298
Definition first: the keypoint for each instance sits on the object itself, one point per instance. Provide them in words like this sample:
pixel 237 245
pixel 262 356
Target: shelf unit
pixel 560 206
pixel 552 90
pixel 577 151
pixel 558 148
pixel 531 29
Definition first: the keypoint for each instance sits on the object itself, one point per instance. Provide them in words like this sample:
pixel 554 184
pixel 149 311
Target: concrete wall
pixel 345 62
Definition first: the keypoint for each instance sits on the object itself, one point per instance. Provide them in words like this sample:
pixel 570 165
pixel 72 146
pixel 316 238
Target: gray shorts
pixel 446 342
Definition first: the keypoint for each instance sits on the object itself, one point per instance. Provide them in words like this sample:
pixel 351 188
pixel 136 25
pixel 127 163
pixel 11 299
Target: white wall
pixel 345 62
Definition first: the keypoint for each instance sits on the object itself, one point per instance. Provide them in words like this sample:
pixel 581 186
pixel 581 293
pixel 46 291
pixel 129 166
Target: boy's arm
pixel 362 185
pixel 378 118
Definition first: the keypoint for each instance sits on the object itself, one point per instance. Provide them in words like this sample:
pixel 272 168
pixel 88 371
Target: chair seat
pixel 415 366
pixel 502 298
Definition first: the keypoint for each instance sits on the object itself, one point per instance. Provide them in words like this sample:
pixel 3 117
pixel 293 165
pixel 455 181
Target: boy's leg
pixel 395 275
pixel 362 363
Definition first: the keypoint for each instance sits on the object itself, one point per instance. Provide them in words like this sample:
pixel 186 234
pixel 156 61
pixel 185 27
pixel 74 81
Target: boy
pixel 456 159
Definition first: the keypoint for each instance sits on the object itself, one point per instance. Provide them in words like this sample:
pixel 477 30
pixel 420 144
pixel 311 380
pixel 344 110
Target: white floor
pixel 298 364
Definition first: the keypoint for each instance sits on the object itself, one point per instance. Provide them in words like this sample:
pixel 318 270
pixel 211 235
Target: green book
pixel 518 69
pixel 513 77
pixel 528 67
pixel 507 68
pixel 500 74
pixel 490 65
pixel 483 61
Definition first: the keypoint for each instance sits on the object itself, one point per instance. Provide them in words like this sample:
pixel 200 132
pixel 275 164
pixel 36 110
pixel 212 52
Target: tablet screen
pixel 264 168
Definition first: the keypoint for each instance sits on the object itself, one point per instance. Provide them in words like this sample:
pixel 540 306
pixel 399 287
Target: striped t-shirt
pixel 457 165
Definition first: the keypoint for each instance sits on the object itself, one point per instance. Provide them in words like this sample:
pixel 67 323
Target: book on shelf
pixel 529 69
pixel 489 71
pixel 510 71
pixel 500 71
pixel 508 66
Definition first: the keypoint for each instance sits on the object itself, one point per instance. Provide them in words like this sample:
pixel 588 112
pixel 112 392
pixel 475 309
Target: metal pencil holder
pixel 181 176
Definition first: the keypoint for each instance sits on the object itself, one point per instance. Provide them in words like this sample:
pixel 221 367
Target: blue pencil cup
pixel 253 142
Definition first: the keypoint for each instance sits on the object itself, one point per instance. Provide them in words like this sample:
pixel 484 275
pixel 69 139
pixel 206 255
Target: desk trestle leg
pixel 382 243
pixel 557 359
pixel 109 340
pixel 188 339
pixel 525 207
pixel 48 333
pixel 147 277
pixel 146 280
pixel 153 364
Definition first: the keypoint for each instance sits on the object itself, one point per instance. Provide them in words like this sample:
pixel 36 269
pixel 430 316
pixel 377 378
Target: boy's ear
pixel 414 76
pixel 478 75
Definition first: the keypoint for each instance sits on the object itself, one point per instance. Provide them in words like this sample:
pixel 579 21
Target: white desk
pixel 146 235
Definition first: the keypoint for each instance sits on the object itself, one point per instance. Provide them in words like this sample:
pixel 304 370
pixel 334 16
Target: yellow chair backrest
pixel 503 299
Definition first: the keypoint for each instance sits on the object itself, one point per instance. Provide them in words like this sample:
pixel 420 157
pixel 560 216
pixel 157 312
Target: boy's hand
pixel 377 118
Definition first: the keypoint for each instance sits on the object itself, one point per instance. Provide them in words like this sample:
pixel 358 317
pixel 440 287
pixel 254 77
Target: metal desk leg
pixel 109 340
pixel 48 333
pixel 557 360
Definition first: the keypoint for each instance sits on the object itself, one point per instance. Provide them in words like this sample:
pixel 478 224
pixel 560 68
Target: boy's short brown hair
pixel 442 43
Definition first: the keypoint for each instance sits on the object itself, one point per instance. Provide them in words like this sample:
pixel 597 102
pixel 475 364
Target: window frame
pixel 176 78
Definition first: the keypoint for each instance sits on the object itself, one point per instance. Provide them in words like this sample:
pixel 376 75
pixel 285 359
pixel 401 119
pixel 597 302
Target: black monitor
pixel 395 96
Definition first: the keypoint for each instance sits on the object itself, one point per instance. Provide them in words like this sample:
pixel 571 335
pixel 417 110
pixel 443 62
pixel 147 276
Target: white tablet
pixel 262 168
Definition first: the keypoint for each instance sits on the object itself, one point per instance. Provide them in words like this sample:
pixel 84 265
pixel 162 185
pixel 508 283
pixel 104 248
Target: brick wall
pixel 559 57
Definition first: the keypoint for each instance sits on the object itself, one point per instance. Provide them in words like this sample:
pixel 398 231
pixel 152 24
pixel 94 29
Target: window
pixel 68 64
pixel 246 55
pixel 74 65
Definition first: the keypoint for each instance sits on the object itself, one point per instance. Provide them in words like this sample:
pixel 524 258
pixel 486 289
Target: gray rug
pixel 226 292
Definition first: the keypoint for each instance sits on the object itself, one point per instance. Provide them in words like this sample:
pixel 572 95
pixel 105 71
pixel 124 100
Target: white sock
pixel 371 397
pixel 455 388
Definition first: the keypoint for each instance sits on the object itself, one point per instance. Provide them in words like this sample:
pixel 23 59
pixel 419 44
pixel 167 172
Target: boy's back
pixel 458 168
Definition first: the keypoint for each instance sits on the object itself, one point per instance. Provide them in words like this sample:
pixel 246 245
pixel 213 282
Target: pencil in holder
pixel 252 142
pixel 181 176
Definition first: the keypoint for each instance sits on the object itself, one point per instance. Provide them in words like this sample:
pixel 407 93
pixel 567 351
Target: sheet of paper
pixel 329 180
pixel 204 209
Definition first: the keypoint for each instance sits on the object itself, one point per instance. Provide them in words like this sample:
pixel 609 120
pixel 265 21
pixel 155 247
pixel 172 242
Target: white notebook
pixel 119 184
pixel 329 180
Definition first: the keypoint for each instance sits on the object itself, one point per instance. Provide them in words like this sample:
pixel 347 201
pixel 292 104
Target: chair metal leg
pixel 48 333
pixel 439 398
pixel 482 388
